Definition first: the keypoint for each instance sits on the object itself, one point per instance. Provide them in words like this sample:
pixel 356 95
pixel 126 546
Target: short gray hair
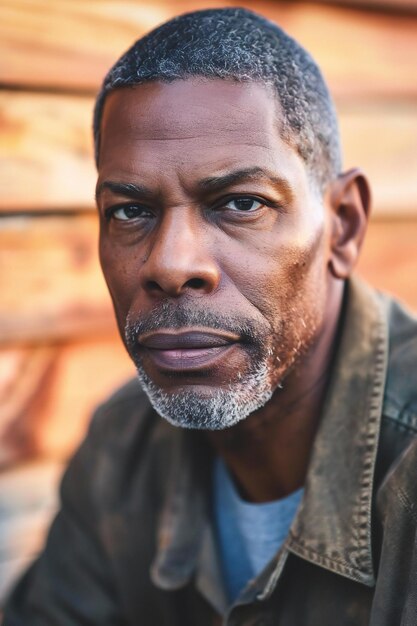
pixel 239 45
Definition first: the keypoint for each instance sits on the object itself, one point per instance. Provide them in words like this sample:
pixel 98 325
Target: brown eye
pixel 243 204
pixel 130 212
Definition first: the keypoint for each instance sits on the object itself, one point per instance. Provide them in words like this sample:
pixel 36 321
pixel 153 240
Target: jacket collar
pixel 333 525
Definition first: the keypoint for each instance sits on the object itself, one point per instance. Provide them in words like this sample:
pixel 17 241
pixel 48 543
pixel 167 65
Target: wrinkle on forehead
pixel 192 129
pixel 175 110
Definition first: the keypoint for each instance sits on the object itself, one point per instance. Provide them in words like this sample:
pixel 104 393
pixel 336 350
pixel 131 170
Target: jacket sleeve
pixel 71 583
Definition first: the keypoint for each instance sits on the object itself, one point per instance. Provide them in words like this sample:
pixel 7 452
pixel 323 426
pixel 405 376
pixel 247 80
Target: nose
pixel 179 260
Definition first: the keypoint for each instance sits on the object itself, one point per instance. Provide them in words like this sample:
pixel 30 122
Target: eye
pixel 126 212
pixel 243 204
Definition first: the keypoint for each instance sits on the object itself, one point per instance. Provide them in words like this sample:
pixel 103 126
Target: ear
pixel 350 201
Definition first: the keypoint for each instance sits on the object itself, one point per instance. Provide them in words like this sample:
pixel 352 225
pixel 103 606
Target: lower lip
pixel 188 359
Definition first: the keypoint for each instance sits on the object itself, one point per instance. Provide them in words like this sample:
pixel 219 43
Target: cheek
pixel 119 271
pixel 280 272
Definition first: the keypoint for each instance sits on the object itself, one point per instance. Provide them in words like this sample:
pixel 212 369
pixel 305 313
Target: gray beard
pixel 221 408
pixel 207 408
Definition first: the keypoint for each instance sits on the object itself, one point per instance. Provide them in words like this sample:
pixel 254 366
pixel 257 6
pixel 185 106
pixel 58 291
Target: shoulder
pixel 125 452
pixel 116 443
pixel 399 412
pixel 124 416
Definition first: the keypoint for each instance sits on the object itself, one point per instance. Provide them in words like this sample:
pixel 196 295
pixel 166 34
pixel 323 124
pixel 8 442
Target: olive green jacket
pixel 133 543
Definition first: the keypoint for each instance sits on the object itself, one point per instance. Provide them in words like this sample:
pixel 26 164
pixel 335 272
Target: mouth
pixel 193 349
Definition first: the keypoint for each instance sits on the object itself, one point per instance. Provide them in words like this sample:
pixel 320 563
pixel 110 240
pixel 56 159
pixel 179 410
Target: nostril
pixel 156 287
pixel 153 286
pixel 195 283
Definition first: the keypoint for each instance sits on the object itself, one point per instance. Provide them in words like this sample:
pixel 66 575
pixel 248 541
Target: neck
pixel 269 452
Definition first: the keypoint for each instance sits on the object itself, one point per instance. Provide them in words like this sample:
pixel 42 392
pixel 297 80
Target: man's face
pixel 213 245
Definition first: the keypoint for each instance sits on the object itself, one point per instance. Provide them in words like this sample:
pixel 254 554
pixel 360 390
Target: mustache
pixel 177 317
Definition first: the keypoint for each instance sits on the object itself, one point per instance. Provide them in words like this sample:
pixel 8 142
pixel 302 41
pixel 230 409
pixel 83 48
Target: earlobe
pixel 350 201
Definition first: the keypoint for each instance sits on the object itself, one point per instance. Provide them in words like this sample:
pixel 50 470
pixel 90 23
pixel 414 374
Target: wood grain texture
pixel 50 279
pixel 70 44
pixel 48 393
pixel 46 152
pixel 405 6
pixel 383 142
pixel 389 259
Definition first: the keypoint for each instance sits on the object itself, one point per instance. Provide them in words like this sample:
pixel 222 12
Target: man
pixel 279 488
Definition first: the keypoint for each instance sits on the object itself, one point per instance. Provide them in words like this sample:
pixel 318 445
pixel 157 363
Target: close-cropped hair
pixel 239 45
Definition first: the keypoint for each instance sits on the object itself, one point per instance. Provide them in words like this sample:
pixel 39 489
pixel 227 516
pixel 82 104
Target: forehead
pixel 194 124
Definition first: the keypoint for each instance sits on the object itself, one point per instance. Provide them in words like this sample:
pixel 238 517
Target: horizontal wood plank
pixel 389 259
pixel 383 142
pixel 70 44
pixel 46 152
pixel 406 6
pixel 51 282
pixel 50 279
pixel 48 393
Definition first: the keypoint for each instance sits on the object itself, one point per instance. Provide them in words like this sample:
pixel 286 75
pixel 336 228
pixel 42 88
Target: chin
pixel 203 407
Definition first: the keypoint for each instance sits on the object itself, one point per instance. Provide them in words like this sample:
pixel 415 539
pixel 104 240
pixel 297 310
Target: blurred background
pixel 59 350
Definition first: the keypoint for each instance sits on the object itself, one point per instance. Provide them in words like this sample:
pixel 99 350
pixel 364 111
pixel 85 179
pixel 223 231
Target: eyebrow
pixel 130 190
pixel 217 183
pixel 211 184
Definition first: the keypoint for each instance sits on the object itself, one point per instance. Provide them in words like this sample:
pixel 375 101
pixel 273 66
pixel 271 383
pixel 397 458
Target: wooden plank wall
pixel 59 349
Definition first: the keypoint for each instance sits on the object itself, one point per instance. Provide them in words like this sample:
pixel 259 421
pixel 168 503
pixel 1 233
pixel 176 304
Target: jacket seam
pixel 335 565
pixel 372 433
